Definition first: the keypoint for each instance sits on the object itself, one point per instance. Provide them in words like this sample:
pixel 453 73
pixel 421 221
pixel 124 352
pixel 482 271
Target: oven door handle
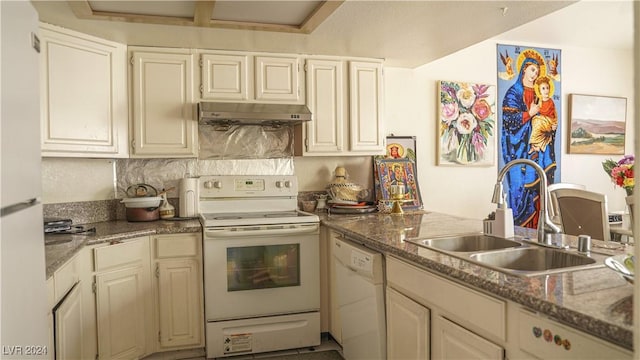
pixel 261 230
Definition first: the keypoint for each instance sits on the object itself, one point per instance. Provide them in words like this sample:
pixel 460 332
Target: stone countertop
pixel 61 247
pixel 596 301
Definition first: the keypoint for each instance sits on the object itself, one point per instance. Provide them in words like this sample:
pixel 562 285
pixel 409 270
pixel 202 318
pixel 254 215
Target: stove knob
pixel 279 184
pixel 217 184
pixel 287 184
pixel 208 184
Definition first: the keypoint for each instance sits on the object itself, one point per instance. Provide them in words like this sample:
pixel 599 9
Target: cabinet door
pixel 326 100
pixel 365 121
pixel 224 77
pixel 89 329
pixel 120 302
pixel 335 322
pixel 181 319
pixel 83 95
pixel 277 79
pixel 407 328
pixel 69 326
pixel 163 106
pixel 451 341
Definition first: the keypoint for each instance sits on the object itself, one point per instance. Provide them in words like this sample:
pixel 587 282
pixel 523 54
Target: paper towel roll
pixel 188 197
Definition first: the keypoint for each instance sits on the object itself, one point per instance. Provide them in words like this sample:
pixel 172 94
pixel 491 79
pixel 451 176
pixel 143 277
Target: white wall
pixel 411 109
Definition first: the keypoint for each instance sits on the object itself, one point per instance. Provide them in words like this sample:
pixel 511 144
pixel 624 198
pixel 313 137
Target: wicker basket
pixel 345 192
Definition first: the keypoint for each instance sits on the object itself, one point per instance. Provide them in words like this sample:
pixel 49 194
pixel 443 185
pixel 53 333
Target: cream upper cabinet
pixel 345 98
pixel 164 124
pixel 326 90
pixel 277 79
pixel 179 293
pixel 250 77
pixel 365 110
pixel 224 77
pixel 83 95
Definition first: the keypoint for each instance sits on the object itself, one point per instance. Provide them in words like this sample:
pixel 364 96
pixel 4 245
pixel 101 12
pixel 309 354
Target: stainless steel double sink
pixel 516 257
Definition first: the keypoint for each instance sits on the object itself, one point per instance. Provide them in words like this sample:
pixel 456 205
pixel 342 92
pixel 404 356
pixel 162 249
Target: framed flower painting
pixel 467 114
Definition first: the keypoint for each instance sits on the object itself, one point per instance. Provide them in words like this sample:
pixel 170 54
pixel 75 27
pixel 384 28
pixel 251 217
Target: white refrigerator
pixel 23 295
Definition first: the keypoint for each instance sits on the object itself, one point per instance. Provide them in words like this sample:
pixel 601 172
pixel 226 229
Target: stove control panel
pixel 249 185
pixel 218 186
pixel 212 184
pixel 281 184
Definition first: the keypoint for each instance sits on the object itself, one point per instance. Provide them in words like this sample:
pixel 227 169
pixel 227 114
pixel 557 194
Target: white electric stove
pixel 261 265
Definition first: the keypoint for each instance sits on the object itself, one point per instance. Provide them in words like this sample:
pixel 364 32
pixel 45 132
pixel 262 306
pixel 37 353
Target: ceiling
pixel 261 15
pixel 404 33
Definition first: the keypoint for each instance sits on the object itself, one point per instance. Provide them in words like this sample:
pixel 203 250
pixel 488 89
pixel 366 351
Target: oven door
pixel 252 271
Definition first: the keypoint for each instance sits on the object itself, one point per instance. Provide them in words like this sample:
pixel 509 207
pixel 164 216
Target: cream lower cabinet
pixel 408 329
pixel 68 326
pixel 83 94
pixel 452 341
pixel 464 323
pixel 178 288
pixel 468 324
pixel 545 339
pixel 335 323
pixel 73 321
pixel 163 123
pixel 123 299
pixel 345 98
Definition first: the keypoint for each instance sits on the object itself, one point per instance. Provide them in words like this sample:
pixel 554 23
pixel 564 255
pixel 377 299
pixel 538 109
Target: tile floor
pixel 327 350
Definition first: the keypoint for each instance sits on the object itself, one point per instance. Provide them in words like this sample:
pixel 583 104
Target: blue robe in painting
pixel 523 183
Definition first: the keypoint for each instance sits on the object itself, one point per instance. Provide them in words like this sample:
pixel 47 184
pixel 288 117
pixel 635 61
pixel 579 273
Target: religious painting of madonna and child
pixel 467 124
pixel 529 108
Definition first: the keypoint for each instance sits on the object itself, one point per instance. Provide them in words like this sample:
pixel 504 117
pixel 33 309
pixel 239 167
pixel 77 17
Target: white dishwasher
pixel 360 295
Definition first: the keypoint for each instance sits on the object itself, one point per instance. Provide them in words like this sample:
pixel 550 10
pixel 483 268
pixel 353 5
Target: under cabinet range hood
pixel 218 113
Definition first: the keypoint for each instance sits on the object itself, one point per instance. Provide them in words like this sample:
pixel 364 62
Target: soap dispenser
pixel 500 222
pixel 167 211
pixel 503 225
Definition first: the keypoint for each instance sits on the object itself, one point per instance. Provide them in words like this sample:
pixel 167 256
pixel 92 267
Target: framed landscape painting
pixel 597 124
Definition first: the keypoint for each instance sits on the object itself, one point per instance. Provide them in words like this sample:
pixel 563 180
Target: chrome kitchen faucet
pixel 545 226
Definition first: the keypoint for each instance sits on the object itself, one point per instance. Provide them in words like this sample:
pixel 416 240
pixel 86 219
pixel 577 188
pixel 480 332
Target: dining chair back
pixel 554 213
pixel 583 212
